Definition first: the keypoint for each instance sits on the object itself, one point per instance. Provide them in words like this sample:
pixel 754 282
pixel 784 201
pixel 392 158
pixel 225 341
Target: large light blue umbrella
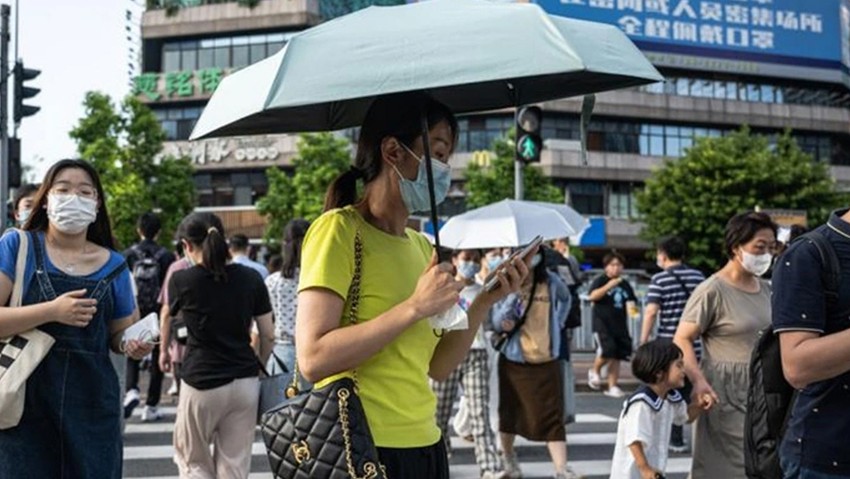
pixel 471 55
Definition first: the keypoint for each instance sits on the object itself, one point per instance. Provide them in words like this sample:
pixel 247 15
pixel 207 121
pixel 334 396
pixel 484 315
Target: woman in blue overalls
pixel 78 290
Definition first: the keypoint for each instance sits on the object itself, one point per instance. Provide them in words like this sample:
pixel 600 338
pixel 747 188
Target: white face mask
pixel 757 264
pixel 71 214
pixel 23 216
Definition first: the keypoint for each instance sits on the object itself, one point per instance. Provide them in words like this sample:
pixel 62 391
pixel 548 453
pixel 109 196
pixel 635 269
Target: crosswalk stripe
pixel 535 469
pixel 168 426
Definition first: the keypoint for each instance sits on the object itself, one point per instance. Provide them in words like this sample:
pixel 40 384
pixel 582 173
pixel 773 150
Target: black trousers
pixel 155 385
pixel 430 462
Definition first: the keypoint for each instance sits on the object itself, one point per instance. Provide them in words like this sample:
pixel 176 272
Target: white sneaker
pixel 150 414
pixel 567 473
pixel 614 392
pixel 131 400
pixel 512 470
pixel 593 380
pixel 172 391
pixel 495 475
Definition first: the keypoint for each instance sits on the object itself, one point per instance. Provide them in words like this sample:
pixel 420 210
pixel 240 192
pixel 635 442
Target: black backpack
pixel 147 273
pixel 770 397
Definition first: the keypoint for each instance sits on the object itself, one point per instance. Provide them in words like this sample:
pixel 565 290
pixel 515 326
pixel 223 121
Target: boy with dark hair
pixel 668 293
pixel 613 302
pixel 644 429
pixel 148 262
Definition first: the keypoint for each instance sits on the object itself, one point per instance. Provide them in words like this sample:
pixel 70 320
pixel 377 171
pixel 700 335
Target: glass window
pixel 644 145
pixel 257 39
pixel 731 90
pixel 720 89
pixel 767 93
pixel 189 60
pixel 656 145
pixel 171 61
pixel 170 129
pixel 752 92
pixel 258 52
pixel 221 57
pixel 240 41
pixel 275 47
pixel 243 196
pixel 184 128
pixel 478 140
pixel 205 58
pixel 672 146
pixel 682 86
pixel 240 57
pixel 277 37
pixel 202 180
pixel 221 42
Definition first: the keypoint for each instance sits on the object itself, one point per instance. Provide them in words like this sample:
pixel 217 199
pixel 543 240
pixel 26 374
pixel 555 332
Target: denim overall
pixel 71 426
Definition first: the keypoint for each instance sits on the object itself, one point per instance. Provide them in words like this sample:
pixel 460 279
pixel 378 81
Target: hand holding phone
pixel 491 283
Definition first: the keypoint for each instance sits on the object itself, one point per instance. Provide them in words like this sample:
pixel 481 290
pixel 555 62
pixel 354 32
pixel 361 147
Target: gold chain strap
pixel 370 471
pixel 354 297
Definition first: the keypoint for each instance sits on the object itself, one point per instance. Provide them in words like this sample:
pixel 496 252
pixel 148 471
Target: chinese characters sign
pixel 177 85
pixel 800 32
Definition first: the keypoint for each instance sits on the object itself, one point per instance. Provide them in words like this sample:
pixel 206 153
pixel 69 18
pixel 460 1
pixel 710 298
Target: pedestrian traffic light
pixel 529 142
pixel 23 92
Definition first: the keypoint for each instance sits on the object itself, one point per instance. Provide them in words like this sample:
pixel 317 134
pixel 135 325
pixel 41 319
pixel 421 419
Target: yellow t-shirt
pixel 393 384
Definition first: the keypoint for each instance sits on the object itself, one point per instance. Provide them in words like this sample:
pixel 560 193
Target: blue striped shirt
pixel 670 296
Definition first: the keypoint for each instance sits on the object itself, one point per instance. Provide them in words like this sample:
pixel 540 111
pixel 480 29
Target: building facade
pixel 769 64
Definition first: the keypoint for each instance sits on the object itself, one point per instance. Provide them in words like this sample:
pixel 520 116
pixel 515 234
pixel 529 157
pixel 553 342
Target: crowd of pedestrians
pixel 349 296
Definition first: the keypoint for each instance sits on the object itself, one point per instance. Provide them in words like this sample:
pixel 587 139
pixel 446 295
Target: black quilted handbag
pixel 323 433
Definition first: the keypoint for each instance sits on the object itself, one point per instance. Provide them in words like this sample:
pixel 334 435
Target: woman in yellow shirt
pixel 392 347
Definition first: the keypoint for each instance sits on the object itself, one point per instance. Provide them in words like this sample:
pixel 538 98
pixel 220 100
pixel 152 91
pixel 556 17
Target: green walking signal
pixel 529 143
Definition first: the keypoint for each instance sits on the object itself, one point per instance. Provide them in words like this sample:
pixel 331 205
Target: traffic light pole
pixel 518 162
pixel 5 13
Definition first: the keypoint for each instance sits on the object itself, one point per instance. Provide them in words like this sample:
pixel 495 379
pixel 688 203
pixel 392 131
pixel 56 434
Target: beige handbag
pixel 21 353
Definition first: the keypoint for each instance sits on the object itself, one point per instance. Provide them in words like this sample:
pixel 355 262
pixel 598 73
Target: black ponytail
pixel 343 191
pixel 205 231
pixel 398 116
pixel 293 237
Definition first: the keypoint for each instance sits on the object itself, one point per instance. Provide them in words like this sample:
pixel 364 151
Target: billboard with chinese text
pixel 785 37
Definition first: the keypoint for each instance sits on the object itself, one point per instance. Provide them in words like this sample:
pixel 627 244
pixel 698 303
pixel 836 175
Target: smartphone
pixel 491 283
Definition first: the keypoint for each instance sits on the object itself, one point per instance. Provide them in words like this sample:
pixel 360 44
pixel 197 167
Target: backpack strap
pixel 681 283
pixel 830 268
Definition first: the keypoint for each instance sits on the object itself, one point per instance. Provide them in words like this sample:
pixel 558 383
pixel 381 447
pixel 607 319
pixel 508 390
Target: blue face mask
pixel 415 193
pixel 468 269
pixel 493 262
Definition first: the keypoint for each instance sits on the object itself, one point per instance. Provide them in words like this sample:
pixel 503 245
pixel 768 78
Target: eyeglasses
pixel 82 191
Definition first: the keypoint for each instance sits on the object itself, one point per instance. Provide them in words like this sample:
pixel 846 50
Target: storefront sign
pixel 177 85
pixel 234 152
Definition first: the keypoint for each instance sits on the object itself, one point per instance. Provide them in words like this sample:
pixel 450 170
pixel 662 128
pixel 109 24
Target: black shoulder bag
pixel 323 433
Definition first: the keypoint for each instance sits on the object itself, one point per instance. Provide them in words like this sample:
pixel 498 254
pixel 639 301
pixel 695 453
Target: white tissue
pixel 453 319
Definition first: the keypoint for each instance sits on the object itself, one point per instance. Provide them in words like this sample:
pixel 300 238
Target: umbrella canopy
pixel 471 55
pixel 504 224
pixel 578 222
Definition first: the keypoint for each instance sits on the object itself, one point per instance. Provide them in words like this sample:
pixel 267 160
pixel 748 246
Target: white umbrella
pixel 507 223
pixel 578 222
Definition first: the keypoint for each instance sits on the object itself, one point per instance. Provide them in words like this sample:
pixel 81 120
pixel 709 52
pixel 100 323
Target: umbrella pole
pixel 426 148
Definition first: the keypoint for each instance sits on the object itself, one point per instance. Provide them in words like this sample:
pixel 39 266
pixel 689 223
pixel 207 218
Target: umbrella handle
pixel 426 147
